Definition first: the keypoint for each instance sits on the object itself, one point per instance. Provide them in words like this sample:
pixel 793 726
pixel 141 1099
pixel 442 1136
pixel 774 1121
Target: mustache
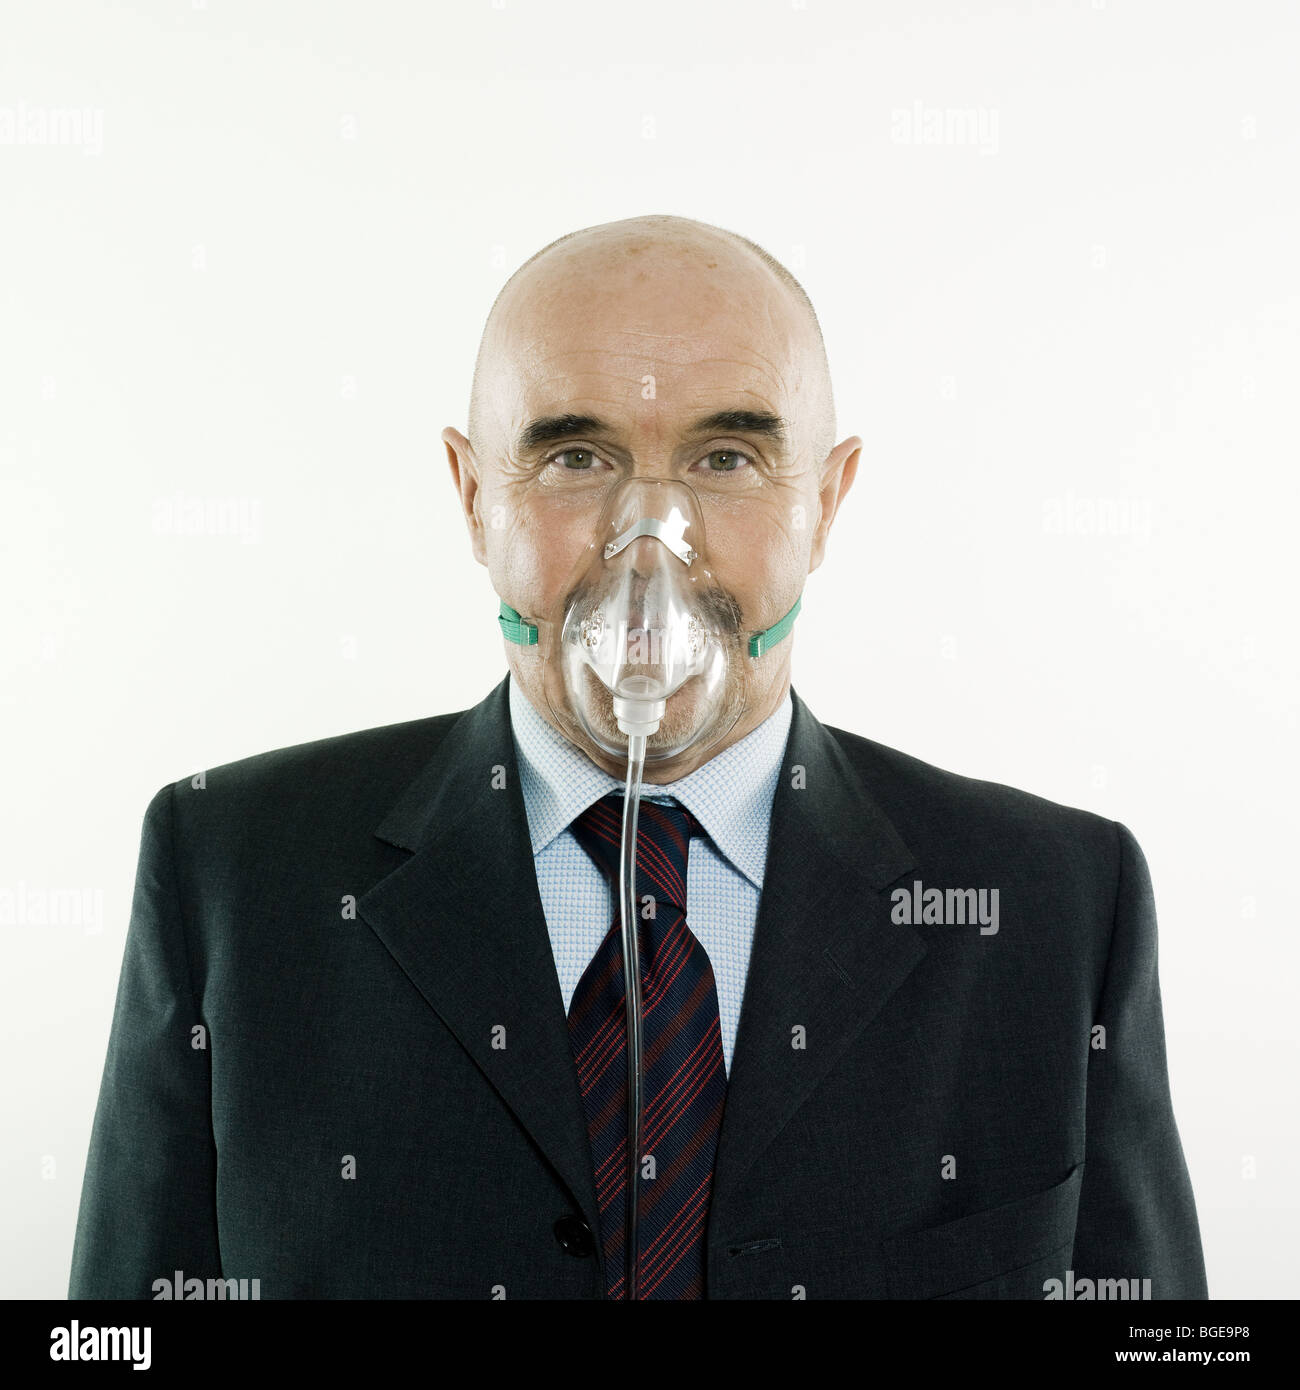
pixel 718 605
pixel 724 608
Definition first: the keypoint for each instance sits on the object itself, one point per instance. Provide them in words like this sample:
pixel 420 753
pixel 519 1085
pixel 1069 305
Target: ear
pixel 838 473
pixel 465 479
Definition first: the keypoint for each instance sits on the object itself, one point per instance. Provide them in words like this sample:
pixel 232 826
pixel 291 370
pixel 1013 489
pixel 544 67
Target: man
pixel 903 1030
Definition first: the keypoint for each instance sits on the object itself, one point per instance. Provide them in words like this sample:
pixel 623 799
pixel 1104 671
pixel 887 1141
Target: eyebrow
pixel 548 429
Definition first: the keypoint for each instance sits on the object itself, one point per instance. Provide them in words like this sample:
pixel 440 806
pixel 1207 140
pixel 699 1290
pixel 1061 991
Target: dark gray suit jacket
pixel 306 1082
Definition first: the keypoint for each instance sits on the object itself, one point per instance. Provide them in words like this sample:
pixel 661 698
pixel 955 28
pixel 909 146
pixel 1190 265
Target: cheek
pixel 534 549
pixel 760 555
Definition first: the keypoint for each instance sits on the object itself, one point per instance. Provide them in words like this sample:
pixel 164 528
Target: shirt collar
pixel 730 795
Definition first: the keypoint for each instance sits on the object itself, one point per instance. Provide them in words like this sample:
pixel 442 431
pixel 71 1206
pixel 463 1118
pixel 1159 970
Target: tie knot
pixel 663 841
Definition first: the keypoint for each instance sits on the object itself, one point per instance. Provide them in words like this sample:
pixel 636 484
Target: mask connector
pixel 638 718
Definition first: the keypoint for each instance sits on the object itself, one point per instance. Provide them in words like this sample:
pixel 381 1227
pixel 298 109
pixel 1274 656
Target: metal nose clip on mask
pixel 645 623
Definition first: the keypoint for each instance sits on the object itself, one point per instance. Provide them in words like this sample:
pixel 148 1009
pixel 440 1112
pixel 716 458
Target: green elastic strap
pixel 762 642
pixel 516 629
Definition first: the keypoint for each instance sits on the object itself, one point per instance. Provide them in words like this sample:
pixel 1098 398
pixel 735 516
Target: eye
pixel 724 461
pixel 577 460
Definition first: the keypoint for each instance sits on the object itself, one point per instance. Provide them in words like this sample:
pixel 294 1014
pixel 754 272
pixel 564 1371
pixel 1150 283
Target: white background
pixel 263 283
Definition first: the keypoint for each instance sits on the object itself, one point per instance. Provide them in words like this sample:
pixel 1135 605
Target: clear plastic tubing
pixel 632 991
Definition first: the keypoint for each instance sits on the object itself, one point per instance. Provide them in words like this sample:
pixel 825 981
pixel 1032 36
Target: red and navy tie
pixel 685 1080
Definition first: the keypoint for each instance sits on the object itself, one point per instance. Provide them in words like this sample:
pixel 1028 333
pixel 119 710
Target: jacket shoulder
pixel 931 805
pixel 362 771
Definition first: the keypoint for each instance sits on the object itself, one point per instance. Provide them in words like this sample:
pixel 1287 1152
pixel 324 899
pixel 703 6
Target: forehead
pixel 662 379
pixel 652 344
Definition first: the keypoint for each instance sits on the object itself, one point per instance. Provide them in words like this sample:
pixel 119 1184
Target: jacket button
pixel 574 1236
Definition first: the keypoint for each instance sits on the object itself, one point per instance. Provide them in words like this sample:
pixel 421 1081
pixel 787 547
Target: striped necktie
pixel 685 1080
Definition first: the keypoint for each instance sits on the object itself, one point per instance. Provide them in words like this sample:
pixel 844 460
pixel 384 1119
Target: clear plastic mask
pixel 649 642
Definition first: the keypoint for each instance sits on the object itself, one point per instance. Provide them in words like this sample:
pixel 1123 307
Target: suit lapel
pixel 463 918
pixel 826 957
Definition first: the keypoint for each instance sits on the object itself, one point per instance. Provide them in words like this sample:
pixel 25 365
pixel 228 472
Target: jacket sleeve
pixel 1137 1215
pixel 148 1202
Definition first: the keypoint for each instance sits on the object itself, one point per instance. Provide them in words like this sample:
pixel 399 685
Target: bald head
pixel 661 261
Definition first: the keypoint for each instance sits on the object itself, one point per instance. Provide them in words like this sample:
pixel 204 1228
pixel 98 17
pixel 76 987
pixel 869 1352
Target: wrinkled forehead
pixel 655 361
pixel 665 381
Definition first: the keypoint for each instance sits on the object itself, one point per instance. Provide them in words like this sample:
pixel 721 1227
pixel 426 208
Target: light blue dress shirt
pixel 731 797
